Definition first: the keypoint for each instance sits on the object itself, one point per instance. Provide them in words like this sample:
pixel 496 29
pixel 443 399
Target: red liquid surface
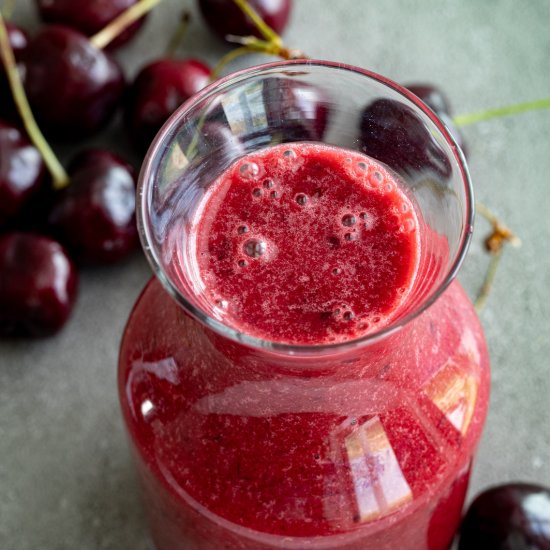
pixel 367 449
pixel 307 244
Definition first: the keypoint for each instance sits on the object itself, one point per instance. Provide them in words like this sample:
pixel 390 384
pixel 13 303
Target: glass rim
pixel 144 225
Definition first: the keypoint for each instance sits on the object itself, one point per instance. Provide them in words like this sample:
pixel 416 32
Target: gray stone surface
pixel 66 479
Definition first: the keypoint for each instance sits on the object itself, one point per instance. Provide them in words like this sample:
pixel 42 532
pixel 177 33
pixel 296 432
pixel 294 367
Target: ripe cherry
pixel 394 134
pixel 38 283
pixel 298 111
pixel 19 40
pixel 514 516
pixel 224 16
pixel 22 171
pixel 95 215
pixel 158 90
pixel 88 16
pixel 437 101
pixel 72 86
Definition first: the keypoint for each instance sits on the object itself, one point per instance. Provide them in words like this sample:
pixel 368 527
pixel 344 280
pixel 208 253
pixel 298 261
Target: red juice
pixel 364 448
pixel 307 244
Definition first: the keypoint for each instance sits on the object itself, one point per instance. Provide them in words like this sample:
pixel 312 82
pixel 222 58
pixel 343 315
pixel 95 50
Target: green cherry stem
pixel 271 44
pixel 59 176
pixel 178 35
pixel 251 44
pixel 515 109
pixel 265 30
pixel 106 35
pixel 227 58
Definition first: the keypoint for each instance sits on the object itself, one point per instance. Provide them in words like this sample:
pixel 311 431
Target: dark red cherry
pixel 158 90
pixel 19 40
pixel 95 215
pixel 73 87
pixel 515 516
pixel 294 109
pixel 88 16
pixel 224 16
pixel 437 101
pixel 38 283
pixel 394 134
pixel 22 171
pixel 432 96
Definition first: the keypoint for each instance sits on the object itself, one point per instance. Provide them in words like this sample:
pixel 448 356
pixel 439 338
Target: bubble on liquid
pixel 348 161
pixel 348 316
pixel 242 263
pixel 401 290
pixel 301 199
pixel 274 194
pixel 249 170
pixel 257 192
pixel 350 237
pixel 289 154
pixel 376 178
pixel 363 166
pixel 254 248
pixel 376 319
pixel 223 304
pixel 336 311
pixel 242 229
pixel 268 183
pixel 363 215
pixel 404 207
pixel 317 193
pixel 363 326
pixel 336 271
pixel 349 220
pixel 389 187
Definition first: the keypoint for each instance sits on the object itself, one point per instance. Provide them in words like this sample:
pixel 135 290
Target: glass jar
pixel 243 443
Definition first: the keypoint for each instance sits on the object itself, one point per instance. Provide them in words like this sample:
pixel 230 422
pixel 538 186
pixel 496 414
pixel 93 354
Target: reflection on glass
pixel 378 481
pixel 454 393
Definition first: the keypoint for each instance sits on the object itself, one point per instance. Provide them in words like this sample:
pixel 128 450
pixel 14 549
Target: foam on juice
pixel 305 243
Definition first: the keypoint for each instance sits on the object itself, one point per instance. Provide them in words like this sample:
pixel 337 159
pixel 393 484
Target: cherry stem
pixel 265 30
pixel 178 35
pixel 517 108
pixel 494 244
pixel 227 58
pixel 59 176
pixel 251 44
pixel 119 24
pixel 487 285
pixel 7 8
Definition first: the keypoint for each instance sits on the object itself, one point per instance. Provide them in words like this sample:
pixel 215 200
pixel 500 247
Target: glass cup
pixel 247 443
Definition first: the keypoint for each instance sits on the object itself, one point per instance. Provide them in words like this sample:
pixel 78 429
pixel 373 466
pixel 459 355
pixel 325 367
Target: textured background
pixel 66 478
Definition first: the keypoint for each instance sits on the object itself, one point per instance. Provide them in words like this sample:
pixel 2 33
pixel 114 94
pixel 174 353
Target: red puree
pixel 307 244
pixel 366 449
